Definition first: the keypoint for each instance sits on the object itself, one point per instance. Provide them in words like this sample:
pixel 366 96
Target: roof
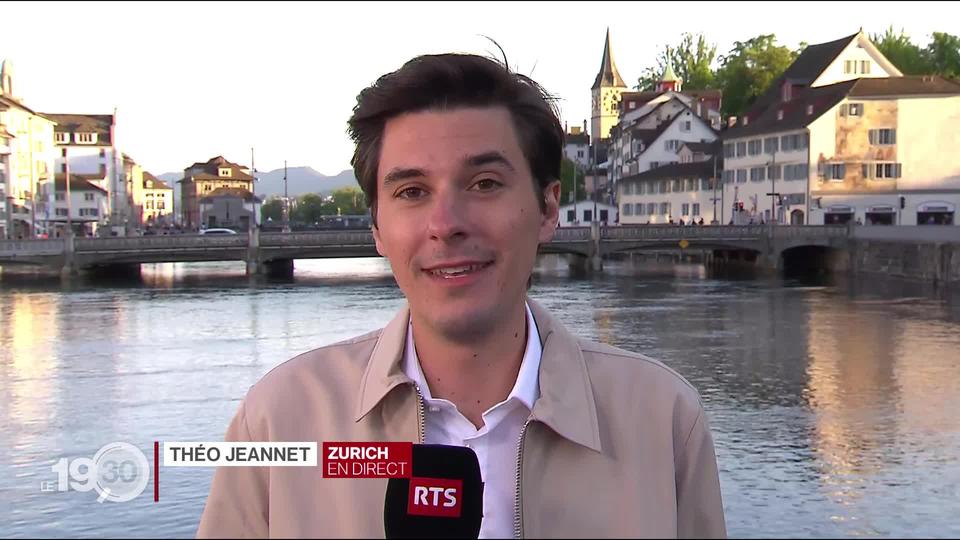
pixel 157 183
pixel 101 124
pixel 697 169
pixel 77 183
pixel 824 98
pixel 211 170
pixel 225 192
pixel 608 74
pixel 704 147
pixel 804 70
pixel 577 138
pixel 669 75
pixel 905 85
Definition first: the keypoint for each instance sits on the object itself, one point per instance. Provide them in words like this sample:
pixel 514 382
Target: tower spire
pixel 608 75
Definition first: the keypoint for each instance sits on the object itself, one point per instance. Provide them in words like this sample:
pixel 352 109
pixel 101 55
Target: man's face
pixel 458 216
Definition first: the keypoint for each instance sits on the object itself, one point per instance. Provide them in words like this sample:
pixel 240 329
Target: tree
pixel 569 172
pixel 902 52
pixel 692 60
pixel 943 55
pixel 272 209
pixel 349 201
pixel 309 208
pixel 749 69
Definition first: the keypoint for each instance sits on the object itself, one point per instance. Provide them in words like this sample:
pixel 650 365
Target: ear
pixel 377 240
pixel 551 212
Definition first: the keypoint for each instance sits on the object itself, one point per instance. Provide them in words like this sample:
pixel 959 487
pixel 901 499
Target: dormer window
pixel 62 138
pixel 86 138
pixel 780 114
pixel 224 172
pixel 809 110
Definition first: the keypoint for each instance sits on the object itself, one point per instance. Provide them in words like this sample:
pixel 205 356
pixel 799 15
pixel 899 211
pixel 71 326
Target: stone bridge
pixel 276 251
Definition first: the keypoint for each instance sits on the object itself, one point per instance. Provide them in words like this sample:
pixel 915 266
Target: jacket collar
pixel 566 401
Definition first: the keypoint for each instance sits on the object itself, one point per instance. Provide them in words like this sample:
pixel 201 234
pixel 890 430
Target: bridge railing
pixel 676 232
pixel 184 241
pixel 318 238
pixel 571 234
pixel 53 246
pixel 808 232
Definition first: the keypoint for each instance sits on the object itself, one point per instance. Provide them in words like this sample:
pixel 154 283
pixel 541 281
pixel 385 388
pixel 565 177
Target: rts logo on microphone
pixel 435 497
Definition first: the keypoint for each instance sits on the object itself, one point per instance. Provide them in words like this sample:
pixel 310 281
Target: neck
pixel 476 374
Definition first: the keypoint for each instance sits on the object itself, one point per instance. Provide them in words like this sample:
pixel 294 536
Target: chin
pixel 460 322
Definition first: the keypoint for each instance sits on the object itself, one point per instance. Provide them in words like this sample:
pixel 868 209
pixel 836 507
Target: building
pixel 229 208
pixel 89 142
pixel 842 136
pixel 152 198
pixel 26 164
pixel 201 179
pixel 685 191
pixel 576 146
pixel 88 203
pixel 582 214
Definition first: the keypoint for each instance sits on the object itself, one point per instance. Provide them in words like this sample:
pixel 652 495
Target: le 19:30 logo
pixel 118 472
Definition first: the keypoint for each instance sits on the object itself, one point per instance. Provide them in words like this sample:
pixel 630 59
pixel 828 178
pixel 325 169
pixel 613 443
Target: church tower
pixel 605 106
pixel 6 79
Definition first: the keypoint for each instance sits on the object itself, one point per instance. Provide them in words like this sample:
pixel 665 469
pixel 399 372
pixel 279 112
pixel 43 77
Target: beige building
pixel 875 147
pixel 201 179
pixel 26 164
pixel 151 198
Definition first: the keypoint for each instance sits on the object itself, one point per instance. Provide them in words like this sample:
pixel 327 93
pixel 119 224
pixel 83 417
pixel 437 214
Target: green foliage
pixel 692 60
pixel 569 172
pixel 272 209
pixel 903 53
pixel 749 69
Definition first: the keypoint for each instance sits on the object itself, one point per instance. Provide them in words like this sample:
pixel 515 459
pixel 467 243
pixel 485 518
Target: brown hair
pixel 448 81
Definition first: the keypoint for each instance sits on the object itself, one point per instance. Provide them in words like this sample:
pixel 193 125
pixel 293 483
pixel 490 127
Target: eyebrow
pixel 477 160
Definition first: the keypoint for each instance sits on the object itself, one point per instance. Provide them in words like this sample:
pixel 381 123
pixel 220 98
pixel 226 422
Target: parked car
pixel 218 231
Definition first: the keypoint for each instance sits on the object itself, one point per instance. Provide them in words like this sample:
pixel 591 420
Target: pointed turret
pixel 669 81
pixel 608 75
pixel 6 79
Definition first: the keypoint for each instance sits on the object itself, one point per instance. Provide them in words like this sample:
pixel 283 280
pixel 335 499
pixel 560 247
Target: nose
pixel 446 218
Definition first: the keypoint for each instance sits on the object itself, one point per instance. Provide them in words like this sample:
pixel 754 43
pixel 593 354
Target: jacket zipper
pixel 420 419
pixel 517 519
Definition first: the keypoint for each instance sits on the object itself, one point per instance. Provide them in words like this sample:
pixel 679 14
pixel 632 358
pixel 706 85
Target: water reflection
pixel 832 403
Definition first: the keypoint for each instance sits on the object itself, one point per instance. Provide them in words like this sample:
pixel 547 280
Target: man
pixel 459 160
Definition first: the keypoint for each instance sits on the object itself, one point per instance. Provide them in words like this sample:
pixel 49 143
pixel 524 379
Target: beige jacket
pixel 617 445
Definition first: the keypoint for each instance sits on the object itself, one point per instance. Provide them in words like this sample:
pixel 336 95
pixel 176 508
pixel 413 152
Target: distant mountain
pixel 300 180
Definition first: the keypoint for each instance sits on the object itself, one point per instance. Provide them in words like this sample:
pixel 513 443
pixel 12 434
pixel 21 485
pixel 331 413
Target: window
pixel 728 177
pixel 883 136
pixel 882 170
pixel 864 67
pixel 604 215
pixel 836 171
pixel 88 196
pixel 579 153
pixel 728 150
pixel 654 164
pixel 795 172
pixel 627 209
pixel 741 149
pixel 588 215
pixel 686 125
pixel 696 209
pixel 672 145
pixel 61 196
pixel 224 172
pixel 628 189
pixel 571 217
pixel 664 208
pixel 89 212
pixel 741 176
pixel 780 114
pixel 640 189
pixel 160 205
pixel 757 174
pixel 665 186
pixel 86 138
pixel 796 141
pixel 771 145
pixel 654 188
pixel 103 152
pixel 704 184
pixel 809 110
pixel 855 109
pixel 691 184
pixel 62 138
pixel 61 211
pixel 651 208
pixel 754 147
pixel 633 105
pixel 685 209
pixel 677 186
pixel 773 172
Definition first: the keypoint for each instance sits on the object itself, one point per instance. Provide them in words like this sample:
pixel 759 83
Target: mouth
pixel 454 271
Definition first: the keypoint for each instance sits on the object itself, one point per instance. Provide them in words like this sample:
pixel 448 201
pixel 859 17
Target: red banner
pixel 367 459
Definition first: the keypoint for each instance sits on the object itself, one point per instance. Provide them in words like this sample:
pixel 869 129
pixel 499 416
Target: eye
pixel 486 184
pixel 412 192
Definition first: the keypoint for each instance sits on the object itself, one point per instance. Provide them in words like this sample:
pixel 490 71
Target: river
pixel 833 404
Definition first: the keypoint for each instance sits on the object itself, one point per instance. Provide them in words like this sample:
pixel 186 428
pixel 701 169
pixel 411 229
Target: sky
pixel 194 80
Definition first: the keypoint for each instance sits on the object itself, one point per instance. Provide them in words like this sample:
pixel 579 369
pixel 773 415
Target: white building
pixel 875 148
pixel 582 214
pixel 88 203
pixel 576 146
pixel 26 164
pixel 91 143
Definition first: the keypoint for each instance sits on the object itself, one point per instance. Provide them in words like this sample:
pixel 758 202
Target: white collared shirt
pixel 496 442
